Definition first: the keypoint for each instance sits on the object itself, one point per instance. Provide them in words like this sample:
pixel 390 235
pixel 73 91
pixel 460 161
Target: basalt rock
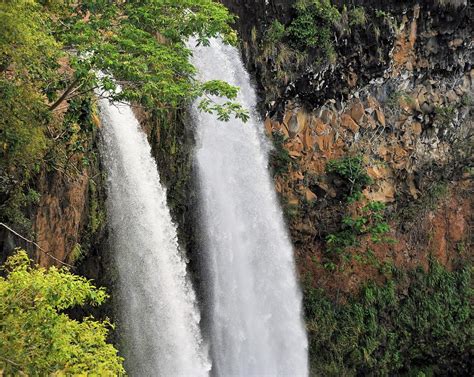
pixel 399 92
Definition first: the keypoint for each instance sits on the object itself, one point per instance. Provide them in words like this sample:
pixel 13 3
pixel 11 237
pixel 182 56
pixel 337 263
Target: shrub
pixel 371 222
pixel 37 337
pixel 276 32
pixel 352 171
pixel 313 24
pixel 357 16
pixel 421 322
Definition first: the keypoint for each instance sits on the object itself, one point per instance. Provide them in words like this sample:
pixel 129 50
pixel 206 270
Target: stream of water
pixel 254 300
pixel 158 320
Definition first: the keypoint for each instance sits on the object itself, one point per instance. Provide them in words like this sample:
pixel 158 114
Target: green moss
pixel 420 322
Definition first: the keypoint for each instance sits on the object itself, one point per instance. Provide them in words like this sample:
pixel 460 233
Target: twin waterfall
pixel 252 303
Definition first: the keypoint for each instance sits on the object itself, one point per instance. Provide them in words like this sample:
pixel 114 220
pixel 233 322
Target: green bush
pixel 37 338
pixel 352 171
pixel 22 139
pixel 312 26
pixel 275 33
pixel 370 221
pixel 421 322
pixel 357 16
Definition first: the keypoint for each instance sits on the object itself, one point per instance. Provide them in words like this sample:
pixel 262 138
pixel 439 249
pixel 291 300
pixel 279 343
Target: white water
pixel 158 318
pixel 255 302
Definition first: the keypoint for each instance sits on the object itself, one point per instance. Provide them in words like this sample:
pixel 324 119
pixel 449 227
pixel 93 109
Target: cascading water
pixel 158 317
pixel 255 321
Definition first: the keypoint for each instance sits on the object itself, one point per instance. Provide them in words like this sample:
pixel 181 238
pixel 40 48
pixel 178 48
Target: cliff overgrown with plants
pixel 419 323
pixel 369 106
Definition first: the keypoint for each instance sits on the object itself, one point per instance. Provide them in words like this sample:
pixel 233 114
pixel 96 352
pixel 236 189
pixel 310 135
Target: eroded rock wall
pixel 398 92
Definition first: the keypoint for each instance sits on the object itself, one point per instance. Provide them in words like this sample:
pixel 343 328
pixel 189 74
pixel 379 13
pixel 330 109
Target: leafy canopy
pixel 142 44
pixel 37 337
pixel 50 54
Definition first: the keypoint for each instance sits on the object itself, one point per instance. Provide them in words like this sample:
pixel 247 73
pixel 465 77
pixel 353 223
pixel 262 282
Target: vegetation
pixel 312 26
pixel 357 17
pixel 276 32
pixel 119 39
pixel 352 171
pixel 55 54
pixel 280 160
pixel 445 115
pixel 428 201
pixel 419 324
pixel 37 337
pixel 369 221
pixel 366 221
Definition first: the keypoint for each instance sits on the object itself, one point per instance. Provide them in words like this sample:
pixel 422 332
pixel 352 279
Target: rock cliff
pixel 397 90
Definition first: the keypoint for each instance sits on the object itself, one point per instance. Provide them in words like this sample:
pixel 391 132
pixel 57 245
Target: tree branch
pixel 64 95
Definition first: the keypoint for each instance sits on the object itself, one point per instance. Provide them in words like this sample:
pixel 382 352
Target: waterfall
pixel 255 319
pixel 158 320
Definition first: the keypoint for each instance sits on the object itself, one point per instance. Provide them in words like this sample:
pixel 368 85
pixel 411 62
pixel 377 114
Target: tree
pixel 51 53
pixel 142 45
pixel 37 337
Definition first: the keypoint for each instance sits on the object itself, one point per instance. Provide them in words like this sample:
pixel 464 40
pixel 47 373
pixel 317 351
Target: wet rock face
pixel 400 93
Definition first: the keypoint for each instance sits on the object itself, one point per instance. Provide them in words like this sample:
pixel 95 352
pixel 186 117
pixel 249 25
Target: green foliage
pixel 142 44
pixel 382 14
pixel 29 52
pixel 357 17
pixel 421 322
pixel 352 171
pixel 210 104
pixel 467 100
pixel 445 114
pixel 13 210
pixel 276 32
pixel 37 337
pixel 280 160
pixel 371 221
pixel 312 27
pixel 22 139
